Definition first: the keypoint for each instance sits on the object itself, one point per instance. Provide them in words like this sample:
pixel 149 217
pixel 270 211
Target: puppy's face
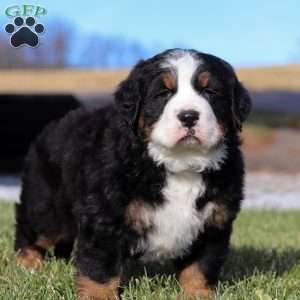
pixel 188 91
pixel 184 100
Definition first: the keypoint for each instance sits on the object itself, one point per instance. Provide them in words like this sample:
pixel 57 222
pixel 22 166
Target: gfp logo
pixel 24 29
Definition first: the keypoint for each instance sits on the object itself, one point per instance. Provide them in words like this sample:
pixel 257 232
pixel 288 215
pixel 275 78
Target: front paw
pixel 29 257
pixel 194 284
pixel 88 289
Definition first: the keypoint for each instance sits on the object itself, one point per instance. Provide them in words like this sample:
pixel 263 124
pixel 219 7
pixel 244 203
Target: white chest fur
pixel 177 223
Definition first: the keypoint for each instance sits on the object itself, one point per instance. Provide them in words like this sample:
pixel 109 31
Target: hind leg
pixel 29 245
pixel 28 254
pixel 31 253
pixel 37 227
pixel 35 236
pixel 44 215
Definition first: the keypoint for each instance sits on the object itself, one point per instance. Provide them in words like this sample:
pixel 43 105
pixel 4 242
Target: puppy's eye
pixel 209 91
pixel 163 93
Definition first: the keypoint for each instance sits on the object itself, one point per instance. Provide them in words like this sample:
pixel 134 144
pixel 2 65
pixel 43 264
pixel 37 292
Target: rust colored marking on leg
pixel 220 216
pixel 29 257
pixel 88 289
pixel 194 283
pixel 138 217
pixel 46 243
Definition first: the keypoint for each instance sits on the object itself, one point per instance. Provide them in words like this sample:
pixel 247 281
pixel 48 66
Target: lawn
pixel 264 264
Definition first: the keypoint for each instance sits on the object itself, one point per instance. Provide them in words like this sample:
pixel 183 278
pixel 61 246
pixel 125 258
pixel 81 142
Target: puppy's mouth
pixel 190 139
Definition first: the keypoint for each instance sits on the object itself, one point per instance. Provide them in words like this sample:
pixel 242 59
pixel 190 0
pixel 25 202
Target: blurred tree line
pixel 62 47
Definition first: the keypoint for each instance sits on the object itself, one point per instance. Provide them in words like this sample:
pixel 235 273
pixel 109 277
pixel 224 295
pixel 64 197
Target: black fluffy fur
pixel 83 171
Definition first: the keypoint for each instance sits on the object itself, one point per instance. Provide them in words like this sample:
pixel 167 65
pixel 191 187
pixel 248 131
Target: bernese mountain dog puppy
pixel 156 176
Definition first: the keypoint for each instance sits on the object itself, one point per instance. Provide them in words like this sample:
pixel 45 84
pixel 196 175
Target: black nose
pixel 188 118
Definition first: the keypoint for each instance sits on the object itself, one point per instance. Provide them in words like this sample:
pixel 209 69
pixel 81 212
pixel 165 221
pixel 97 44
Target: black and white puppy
pixel 157 176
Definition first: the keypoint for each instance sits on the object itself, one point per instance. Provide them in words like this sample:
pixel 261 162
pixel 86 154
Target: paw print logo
pixel 24 32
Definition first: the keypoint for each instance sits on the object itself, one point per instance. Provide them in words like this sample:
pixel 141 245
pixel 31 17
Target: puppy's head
pixel 183 103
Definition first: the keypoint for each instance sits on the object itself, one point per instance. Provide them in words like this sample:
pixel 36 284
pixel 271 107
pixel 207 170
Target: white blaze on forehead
pixel 184 63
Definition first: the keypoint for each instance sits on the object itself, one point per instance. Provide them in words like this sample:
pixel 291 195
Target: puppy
pixel 156 176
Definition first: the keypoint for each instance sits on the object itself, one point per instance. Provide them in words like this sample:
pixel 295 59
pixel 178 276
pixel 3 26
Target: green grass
pixel 264 264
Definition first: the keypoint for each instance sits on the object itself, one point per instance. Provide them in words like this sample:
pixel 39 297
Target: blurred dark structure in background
pixel 23 116
pixel 281 101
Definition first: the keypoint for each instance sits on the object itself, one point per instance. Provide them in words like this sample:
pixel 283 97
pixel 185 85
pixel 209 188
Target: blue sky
pixel 245 33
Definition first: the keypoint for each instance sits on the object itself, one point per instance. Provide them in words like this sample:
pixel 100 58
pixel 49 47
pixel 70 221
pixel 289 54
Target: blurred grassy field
pixel 264 264
pixel 259 79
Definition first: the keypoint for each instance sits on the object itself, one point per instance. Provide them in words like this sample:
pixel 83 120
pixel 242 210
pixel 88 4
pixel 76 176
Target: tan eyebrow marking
pixel 203 78
pixel 169 81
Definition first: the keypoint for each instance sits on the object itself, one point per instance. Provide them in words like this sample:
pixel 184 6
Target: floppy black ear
pixel 128 97
pixel 241 105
